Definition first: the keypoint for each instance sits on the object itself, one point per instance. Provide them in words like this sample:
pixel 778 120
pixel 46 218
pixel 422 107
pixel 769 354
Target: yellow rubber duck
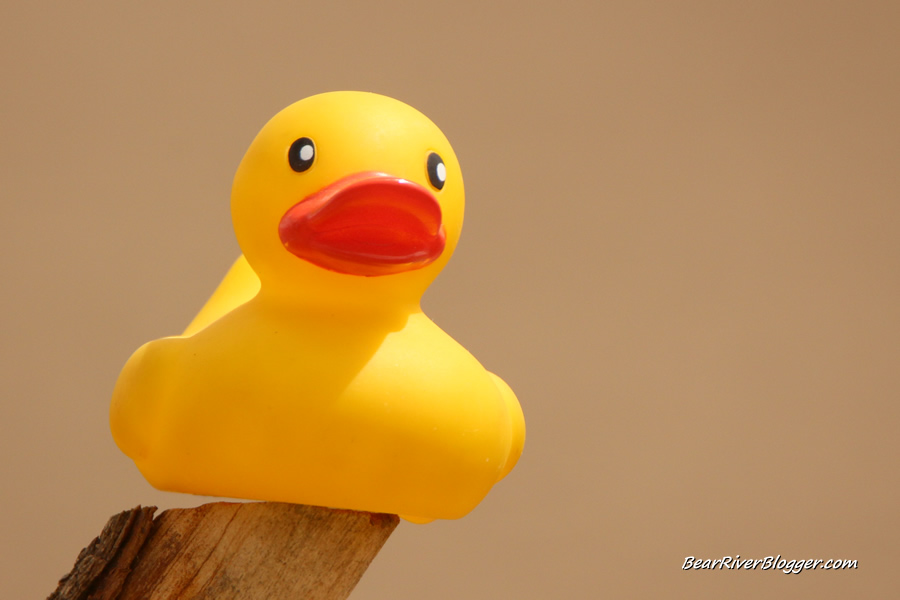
pixel 312 375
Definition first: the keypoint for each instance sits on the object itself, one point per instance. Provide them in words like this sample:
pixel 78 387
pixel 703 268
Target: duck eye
pixel 437 172
pixel 302 154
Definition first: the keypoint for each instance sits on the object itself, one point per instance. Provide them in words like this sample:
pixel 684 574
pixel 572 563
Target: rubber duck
pixel 312 375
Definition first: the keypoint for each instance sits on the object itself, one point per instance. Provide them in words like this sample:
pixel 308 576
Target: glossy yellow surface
pixel 300 384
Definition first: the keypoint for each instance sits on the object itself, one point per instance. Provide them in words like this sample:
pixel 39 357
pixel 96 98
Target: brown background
pixel 681 251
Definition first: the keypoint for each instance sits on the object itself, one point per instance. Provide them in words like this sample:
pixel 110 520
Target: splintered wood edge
pixel 228 550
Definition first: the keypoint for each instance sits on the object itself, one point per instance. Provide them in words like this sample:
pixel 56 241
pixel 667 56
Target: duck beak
pixel 367 224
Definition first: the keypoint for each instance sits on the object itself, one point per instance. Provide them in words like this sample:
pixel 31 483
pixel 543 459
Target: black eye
pixel 302 154
pixel 437 172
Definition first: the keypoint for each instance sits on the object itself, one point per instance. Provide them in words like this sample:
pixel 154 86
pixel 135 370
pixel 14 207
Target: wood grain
pixel 228 550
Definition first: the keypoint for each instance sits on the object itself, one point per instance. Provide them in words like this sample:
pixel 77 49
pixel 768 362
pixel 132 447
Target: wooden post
pixel 260 550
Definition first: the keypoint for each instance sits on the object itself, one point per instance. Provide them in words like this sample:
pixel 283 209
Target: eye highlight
pixel 437 172
pixel 302 154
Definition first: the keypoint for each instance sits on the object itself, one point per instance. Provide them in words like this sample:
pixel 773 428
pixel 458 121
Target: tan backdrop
pixel 681 251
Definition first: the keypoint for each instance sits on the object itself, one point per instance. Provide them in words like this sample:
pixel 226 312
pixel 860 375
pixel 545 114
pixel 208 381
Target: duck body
pixel 307 379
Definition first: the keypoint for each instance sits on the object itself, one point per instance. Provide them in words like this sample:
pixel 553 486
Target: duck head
pixel 348 197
